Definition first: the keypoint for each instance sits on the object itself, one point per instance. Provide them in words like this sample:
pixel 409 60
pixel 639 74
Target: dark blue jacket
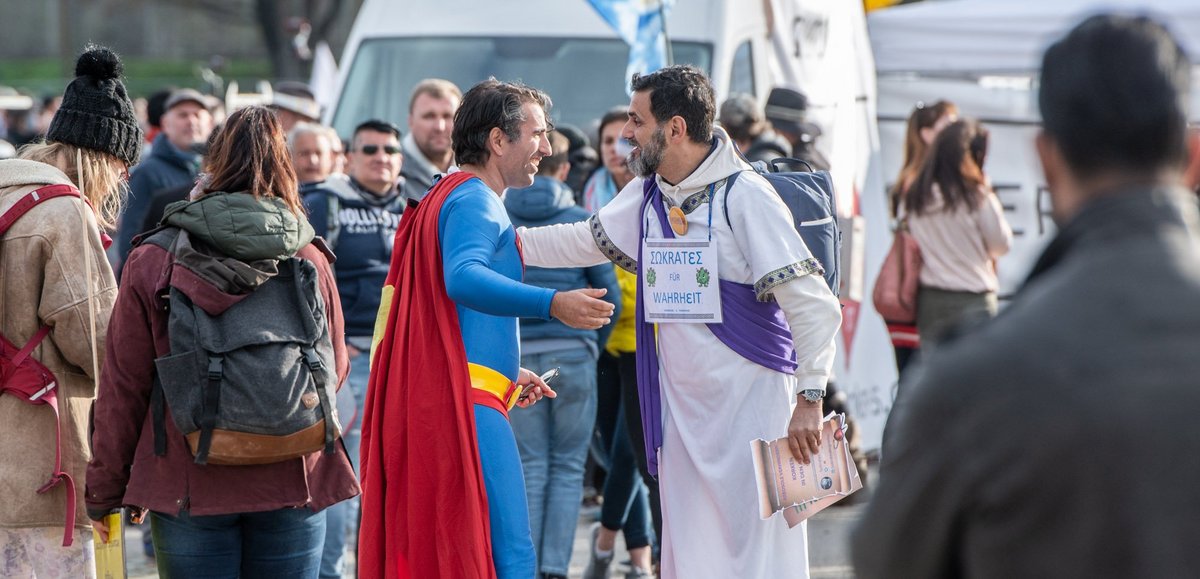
pixel 166 167
pixel 548 202
pixel 360 228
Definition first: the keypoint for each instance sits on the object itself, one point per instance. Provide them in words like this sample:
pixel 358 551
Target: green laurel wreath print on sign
pixel 702 277
pixel 650 277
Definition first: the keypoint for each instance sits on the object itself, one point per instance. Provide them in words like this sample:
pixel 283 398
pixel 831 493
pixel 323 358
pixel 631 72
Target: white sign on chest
pixel 679 281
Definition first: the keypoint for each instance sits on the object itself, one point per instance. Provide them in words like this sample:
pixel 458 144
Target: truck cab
pixel 562 47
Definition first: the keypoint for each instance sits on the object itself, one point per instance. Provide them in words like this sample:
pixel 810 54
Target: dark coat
pixel 158 204
pixel 1054 441
pixel 165 167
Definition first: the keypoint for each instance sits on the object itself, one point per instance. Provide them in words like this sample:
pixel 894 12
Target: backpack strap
pixel 27 349
pixel 164 237
pixel 33 198
pixel 729 181
pixel 158 409
pixel 775 163
pixel 60 476
pixel 212 399
pixel 315 368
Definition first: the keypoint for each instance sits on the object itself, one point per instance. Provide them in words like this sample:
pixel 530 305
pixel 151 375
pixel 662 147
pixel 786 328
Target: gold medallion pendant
pixel 678 221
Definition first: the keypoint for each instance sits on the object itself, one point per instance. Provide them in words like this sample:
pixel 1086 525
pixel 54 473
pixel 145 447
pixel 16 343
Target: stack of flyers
pixel 798 490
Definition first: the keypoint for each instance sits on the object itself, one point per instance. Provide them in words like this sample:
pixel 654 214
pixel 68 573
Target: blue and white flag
pixel 640 24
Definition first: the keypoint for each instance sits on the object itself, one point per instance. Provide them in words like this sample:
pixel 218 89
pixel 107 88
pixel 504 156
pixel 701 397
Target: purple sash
pixel 757 331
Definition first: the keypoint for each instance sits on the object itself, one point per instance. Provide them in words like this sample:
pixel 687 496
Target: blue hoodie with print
pixel 360 227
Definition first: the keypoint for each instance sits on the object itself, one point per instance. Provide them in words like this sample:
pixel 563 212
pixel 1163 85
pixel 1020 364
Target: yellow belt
pixel 489 380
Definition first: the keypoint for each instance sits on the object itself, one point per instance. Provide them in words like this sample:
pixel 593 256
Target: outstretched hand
pixel 582 308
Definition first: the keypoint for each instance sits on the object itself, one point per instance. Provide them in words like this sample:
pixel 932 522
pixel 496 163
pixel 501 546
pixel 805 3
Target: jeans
pixel 553 437
pixel 342 518
pixel 281 543
pixel 626 504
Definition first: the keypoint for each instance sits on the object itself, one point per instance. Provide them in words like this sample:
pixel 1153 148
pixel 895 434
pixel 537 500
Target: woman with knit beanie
pixel 56 292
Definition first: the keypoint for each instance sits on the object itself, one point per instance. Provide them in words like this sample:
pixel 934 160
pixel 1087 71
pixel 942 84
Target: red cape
pixel 424 505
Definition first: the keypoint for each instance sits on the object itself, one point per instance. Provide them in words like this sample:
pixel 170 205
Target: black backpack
pixel 255 384
pixel 810 197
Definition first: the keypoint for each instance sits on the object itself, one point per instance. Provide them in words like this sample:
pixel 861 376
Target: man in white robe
pixel 714 401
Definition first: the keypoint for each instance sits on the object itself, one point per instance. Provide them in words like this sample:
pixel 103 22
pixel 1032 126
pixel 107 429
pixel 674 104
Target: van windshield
pixel 583 76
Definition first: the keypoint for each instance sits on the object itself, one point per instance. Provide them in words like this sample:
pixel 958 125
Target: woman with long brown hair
pixel 924 124
pixel 959 224
pixel 241 229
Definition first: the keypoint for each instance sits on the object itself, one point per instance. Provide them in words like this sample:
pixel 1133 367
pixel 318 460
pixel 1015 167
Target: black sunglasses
pixel 372 149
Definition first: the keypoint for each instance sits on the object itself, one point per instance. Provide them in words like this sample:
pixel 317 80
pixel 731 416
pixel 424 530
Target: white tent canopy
pixel 976 37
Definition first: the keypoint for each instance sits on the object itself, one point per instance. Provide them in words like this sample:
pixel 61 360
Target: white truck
pixel 560 46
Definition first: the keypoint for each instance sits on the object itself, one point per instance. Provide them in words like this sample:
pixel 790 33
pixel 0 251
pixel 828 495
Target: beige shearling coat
pixel 43 281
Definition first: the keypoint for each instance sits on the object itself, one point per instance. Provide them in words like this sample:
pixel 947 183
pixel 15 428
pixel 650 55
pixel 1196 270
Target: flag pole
pixel 662 16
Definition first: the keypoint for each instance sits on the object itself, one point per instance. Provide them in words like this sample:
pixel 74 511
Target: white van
pixel 562 47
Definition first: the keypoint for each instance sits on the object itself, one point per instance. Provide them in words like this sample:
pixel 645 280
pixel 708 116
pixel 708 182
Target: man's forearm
pixel 562 245
pixel 814 317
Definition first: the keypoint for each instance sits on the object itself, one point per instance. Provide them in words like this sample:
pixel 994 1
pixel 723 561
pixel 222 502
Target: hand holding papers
pixel 110 556
pixel 802 490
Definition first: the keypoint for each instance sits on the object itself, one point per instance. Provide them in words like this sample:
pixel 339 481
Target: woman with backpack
pixel 959 224
pixel 233 301
pixel 56 292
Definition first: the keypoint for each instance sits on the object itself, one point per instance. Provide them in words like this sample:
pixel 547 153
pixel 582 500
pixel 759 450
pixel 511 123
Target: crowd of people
pixel 318 343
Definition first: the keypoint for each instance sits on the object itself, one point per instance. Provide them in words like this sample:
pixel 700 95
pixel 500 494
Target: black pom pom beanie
pixel 96 112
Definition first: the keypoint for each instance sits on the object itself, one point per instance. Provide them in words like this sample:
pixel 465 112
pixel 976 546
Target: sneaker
pixel 597 567
pixel 638 573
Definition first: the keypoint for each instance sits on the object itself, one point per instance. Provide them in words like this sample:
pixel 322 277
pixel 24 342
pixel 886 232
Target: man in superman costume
pixel 443 492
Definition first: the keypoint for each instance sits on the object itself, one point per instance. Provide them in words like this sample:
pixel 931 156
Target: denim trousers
pixel 626 506
pixel 342 518
pixel 553 437
pixel 280 543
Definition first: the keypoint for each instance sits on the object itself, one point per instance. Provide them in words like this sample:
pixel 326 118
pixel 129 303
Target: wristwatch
pixel 813 395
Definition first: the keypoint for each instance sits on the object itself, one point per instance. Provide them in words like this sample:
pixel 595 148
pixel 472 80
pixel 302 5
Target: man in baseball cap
pixel 174 158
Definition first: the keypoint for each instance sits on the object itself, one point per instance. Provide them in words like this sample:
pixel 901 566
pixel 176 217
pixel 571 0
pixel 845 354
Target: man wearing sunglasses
pixel 358 214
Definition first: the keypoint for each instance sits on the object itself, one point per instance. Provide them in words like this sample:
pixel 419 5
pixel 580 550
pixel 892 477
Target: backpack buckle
pixel 311 359
pixel 215 370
